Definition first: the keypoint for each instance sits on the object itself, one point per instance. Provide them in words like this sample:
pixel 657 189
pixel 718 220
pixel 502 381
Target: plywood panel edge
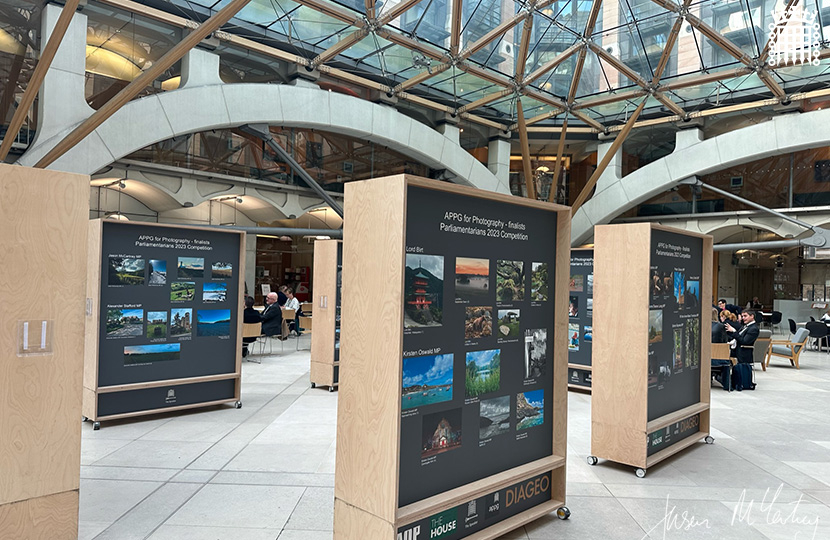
pixel 560 347
pixel 51 517
pixel 356 524
pixel 92 317
pixel 368 415
pixel 707 278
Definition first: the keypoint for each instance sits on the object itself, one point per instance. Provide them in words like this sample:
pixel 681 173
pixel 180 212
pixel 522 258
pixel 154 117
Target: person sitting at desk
pixel 719 365
pixel 294 304
pixel 249 316
pixel 272 317
pixel 743 342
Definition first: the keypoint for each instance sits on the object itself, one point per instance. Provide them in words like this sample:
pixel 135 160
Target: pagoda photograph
pixel 423 291
pixel 441 432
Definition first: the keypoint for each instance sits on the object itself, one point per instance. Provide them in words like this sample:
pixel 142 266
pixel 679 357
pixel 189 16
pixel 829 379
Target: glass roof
pixel 633 33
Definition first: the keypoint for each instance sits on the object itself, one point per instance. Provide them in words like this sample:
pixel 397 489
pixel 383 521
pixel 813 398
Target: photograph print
pixel 440 432
pixel 678 349
pixel 147 354
pixel 214 291
pixel 536 348
pixel 510 281
pixel 590 284
pixel 679 288
pixel 494 417
pixel 158 272
pixel 472 279
pixel 483 372
pixel 190 267
pixel 530 409
pixel 426 380
pixel 508 324
pixel 221 270
pixel 478 322
pixel 182 291
pixel 125 322
pixel 180 322
pixel 655 325
pixel 692 295
pixel 423 291
pixel 213 322
pixel 692 342
pixel 588 334
pixel 573 336
pixel 576 283
pixel 156 324
pixel 573 306
pixel 125 271
pixel 539 282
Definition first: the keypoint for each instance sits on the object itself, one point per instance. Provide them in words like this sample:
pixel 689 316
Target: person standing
pixel 743 341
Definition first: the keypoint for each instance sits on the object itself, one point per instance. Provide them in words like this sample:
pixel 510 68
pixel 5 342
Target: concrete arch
pixel 189 110
pixel 694 156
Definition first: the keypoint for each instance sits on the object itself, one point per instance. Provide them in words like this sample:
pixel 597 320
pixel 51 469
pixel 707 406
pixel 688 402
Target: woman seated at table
pixel 727 316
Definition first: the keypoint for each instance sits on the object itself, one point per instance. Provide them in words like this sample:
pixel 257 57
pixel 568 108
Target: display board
pixel 325 338
pixel 473 370
pixel 650 364
pixel 167 317
pixel 580 318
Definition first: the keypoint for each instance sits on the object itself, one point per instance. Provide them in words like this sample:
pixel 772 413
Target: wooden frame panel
pixel 323 337
pixel 619 414
pixel 91 389
pixel 369 412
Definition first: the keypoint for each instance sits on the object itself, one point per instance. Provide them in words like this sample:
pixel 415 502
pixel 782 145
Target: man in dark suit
pixel 249 316
pixel 732 308
pixel 744 344
pixel 272 316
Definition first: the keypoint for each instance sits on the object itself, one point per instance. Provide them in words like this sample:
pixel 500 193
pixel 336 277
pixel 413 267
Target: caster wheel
pixel 84 419
pixel 641 473
pixel 592 460
pixel 96 426
pixel 709 439
pixel 331 389
pixel 563 513
pixel 238 404
pixel 314 385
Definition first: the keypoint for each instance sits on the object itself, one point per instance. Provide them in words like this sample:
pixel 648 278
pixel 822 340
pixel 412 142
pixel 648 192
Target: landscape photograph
pixel 426 380
pixel 510 281
pixel 158 272
pixel 213 322
pixel 440 432
pixel 536 349
pixel 573 336
pixel 214 291
pixel 692 295
pixel 588 334
pixel 678 349
pixel 125 322
pixel 478 322
pixel 539 282
pixel 530 409
pixel 692 342
pixel 180 322
pixel 472 279
pixel 221 270
pixel 147 354
pixel 423 291
pixel 483 372
pixel 494 417
pixel 156 324
pixel 655 325
pixel 589 287
pixel 508 323
pixel 182 291
pixel 679 288
pixel 190 267
pixel 125 271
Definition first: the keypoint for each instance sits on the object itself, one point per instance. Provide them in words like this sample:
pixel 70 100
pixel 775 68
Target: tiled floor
pixel 266 471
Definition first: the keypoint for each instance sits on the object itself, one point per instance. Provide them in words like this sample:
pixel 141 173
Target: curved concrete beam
pixel 162 116
pixel 783 134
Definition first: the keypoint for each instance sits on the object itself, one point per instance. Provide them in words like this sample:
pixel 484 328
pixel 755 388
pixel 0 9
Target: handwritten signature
pixel 672 521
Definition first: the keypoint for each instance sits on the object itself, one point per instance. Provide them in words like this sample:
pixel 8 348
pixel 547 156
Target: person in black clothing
pixel 718 328
pixel 272 316
pixel 744 341
pixel 249 316
pixel 729 307
pixel 719 365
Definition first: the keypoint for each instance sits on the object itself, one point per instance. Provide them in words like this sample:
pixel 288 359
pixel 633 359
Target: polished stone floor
pixel 266 471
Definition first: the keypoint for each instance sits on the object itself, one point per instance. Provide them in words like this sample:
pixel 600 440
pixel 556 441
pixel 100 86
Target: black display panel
pixel 477 377
pixel 169 303
pixel 674 433
pixel 164 397
pixel 674 322
pixel 477 514
pixel 580 309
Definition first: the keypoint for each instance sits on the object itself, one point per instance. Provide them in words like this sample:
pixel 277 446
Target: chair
pixel 720 351
pixel 793 326
pixel 305 324
pixel 306 308
pixel 776 319
pixel 818 331
pixel 789 348
pixel 812 319
pixel 759 351
pixel 252 330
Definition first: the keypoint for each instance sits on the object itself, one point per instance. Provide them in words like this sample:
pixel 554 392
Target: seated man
pixel 272 317
pixel 729 307
pixel 743 342
pixel 249 316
